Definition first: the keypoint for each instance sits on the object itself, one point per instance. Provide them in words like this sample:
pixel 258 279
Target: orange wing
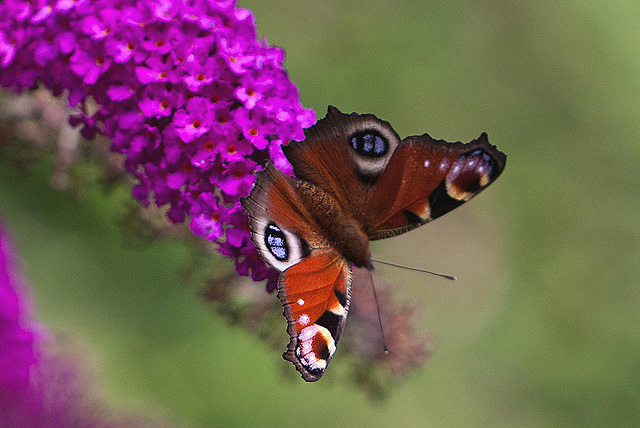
pixel 315 294
pixel 282 229
pixel 390 186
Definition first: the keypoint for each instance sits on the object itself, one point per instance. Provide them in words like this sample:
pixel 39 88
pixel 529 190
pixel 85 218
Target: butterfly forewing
pixel 344 154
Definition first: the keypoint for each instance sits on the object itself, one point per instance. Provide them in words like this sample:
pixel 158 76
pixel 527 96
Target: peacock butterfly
pixel 355 181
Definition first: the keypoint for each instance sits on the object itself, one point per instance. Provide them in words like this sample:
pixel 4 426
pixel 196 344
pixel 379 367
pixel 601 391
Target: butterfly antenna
pixel 375 296
pixel 441 275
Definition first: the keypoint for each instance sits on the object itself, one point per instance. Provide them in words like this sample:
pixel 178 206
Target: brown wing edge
pixel 440 201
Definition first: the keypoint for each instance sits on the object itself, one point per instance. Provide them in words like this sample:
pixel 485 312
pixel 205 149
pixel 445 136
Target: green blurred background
pixel 543 327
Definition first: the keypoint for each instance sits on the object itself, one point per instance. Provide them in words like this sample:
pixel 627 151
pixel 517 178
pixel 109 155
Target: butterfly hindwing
pixel 391 186
pixel 315 294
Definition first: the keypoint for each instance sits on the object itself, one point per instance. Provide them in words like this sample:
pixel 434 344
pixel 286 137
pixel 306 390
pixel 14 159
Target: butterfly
pixel 355 181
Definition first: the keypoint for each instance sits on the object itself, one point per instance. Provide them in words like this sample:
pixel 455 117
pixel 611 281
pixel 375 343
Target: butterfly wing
pixel 315 294
pixel 386 185
pixel 315 283
pixel 278 221
pixel 344 154
pixel 427 178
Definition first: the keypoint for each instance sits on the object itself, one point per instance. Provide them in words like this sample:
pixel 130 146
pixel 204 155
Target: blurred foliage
pixel 541 329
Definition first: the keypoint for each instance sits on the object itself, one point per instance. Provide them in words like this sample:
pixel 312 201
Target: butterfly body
pixel 355 181
pixel 343 232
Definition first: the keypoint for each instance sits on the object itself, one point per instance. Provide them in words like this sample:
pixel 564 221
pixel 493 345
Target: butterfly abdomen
pixel 344 233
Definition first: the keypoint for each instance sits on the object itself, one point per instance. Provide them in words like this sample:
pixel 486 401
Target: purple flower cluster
pixel 39 385
pixel 17 354
pixel 184 90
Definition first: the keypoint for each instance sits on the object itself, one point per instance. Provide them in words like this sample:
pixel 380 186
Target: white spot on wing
pixel 304 351
pixel 303 320
pixel 301 302
pixel 307 333
pixel 427 163
pixel 312 359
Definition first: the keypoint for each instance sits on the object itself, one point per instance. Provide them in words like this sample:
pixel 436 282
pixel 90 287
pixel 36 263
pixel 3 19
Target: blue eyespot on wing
pixel 281 228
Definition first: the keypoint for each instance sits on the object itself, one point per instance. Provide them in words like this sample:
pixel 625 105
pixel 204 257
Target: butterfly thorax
pixel 344 233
